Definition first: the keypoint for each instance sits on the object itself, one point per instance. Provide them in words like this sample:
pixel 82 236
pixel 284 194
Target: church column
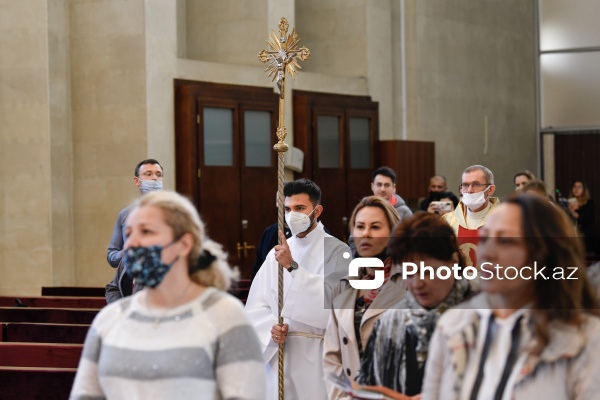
pixel 34 239
pixel 61 149
pixel 380 74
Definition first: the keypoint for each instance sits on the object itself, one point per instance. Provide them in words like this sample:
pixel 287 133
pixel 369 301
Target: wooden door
pixel 328 167
pixel 225 134
pixel 338 135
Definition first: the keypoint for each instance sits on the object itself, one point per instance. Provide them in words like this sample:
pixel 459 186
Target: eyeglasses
pixel 150 174
pixel 476 186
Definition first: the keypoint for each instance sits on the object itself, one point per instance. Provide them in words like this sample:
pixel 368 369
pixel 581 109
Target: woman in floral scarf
pixel 396 352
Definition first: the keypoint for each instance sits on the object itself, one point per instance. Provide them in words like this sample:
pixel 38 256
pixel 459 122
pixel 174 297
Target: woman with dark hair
pixel 397 350
pixel 182 336
pixel 355 311
pixel 527 336
pixel 581 207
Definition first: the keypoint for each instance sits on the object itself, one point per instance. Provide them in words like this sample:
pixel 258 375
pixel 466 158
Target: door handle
pixel 245 247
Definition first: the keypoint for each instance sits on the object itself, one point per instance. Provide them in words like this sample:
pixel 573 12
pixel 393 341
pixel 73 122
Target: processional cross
pixel 281 58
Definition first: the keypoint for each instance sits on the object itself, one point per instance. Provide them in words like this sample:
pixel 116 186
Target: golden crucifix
pixel 282 57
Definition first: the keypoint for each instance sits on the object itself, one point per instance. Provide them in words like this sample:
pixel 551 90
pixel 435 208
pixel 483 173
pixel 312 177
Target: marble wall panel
pixel 225 31
pixel 475 93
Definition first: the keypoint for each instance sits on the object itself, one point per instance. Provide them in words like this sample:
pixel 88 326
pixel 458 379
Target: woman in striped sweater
pixel 182 337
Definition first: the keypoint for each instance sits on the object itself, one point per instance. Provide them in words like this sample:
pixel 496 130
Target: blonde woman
pixel 182 336
pixel 355 311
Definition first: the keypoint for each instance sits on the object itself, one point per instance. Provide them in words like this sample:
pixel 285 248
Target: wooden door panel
pixel 218 184
pixel 414 163
pixel 224 196
pixel 219 209
pixel 258 209
pixel 328 169
pixel 259 185
pixel 342 187
pixel 359 178
pixel 332 184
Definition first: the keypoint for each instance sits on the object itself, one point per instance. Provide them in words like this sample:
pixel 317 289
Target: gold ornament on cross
pixel 281 58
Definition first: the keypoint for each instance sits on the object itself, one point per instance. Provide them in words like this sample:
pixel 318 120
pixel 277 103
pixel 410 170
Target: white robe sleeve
pixel 305 301
pixel 309 297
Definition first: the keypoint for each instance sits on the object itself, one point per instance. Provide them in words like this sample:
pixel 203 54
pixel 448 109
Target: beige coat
pixel 568 367
pixel 340 348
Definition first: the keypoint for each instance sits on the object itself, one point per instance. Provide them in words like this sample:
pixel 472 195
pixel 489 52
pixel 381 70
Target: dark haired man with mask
pixel 148 177
pixel 306 287
pixel 477 187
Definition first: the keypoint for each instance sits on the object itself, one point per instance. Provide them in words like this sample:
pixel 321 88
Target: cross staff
pixel 282 57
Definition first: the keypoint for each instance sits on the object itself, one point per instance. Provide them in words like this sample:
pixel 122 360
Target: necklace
pixel 159 317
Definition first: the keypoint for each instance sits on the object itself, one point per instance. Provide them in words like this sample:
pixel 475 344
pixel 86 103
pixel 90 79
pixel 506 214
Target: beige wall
pixel 108 86
pixel 473 61
pixel 61 143
pixel 87 92
pixel 219 31
pixel 337 33
pixel 25 151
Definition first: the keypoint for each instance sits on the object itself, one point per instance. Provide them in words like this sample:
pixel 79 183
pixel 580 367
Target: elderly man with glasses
pixel 477 187
pixel 148 177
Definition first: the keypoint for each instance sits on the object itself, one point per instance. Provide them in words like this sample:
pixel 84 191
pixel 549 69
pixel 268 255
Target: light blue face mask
pixel 150 186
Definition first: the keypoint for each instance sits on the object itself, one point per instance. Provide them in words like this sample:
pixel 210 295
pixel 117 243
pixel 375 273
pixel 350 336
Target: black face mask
pixel 144 264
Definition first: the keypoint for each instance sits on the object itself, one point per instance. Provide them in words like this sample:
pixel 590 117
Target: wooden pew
pixel 43 332
pixel 40 355
pixel 48 315
pixel 73 291
pixel 24 383
pixel 239 289
pixel 52 302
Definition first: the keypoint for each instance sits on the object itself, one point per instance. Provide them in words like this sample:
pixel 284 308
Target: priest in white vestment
pixel 314 261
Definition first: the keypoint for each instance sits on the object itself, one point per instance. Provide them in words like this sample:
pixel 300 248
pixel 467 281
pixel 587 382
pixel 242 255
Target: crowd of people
pixel 470 297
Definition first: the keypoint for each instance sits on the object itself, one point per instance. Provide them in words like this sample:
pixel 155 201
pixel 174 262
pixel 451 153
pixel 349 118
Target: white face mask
pixel 474 200
pixel 150 186
pixel 298 222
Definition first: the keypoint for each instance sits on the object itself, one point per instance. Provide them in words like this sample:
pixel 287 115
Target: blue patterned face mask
pixel 145 266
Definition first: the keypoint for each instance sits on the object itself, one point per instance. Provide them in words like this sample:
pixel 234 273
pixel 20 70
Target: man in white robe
pixel 314 262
